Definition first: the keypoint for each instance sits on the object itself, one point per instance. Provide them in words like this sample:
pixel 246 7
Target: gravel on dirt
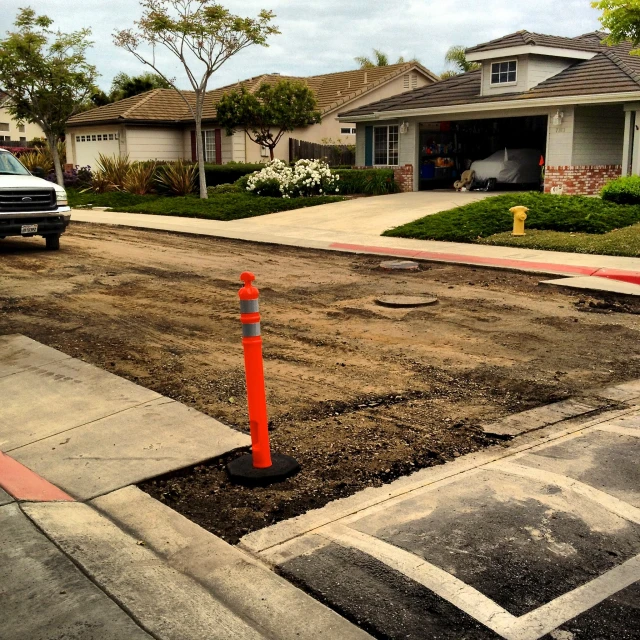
pixel 359 394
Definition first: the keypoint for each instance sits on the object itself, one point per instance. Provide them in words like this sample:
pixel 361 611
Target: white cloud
pixel 321 36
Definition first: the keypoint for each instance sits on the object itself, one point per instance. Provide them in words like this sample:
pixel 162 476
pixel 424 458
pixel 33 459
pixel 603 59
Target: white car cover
pixel 510 166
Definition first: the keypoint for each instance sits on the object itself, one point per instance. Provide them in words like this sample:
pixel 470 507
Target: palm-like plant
pixel 140 178
pixel 380 59
pixel 178 177
pixel 457 56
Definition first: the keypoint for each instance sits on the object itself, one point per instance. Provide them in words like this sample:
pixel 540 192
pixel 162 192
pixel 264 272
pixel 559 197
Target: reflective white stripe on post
pixel 251 330
pixel 249 306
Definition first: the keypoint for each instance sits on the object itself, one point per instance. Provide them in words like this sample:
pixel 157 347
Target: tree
pixel 457 56
pixel 202 35
pixel 266 115
pixel 621 18
pixel 125 86
pixel 46 76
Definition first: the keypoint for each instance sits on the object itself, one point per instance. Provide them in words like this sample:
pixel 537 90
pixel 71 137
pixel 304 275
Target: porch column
pixel 634 137
pixel 627 146
pixel 410 148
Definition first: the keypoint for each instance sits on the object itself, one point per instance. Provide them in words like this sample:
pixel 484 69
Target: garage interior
pixel 448 148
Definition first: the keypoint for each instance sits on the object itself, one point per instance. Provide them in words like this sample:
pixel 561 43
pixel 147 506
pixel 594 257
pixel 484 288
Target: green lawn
pixel 557 223
pixel 620 242
pixel 225 206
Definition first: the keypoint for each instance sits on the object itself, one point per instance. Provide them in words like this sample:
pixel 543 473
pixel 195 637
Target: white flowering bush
pixel 306 178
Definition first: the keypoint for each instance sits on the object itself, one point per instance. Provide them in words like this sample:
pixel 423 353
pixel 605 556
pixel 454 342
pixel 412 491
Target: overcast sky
pixel 321 36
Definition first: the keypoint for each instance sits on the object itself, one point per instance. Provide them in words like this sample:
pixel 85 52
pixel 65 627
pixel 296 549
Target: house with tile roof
pixel 12 131
pixel 157 125
pixel 574 100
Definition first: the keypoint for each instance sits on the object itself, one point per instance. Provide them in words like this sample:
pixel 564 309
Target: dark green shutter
pixel 368 146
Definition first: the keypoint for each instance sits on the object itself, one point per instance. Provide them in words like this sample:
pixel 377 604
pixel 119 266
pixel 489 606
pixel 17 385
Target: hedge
pixel 372 182
pixel 624 190
pixel 228 173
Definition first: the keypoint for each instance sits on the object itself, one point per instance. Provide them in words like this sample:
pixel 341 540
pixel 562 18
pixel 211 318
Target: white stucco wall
pixel 531 71
pixel 541 68
pixel 489 89
pixel 598 135
pixel 560 138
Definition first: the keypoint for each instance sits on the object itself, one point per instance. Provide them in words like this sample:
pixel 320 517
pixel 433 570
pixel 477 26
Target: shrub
pixel 76 178
pixel 112 170
pixel 179 178
pixel 306 178
pixel 140 178
pixel 242 182
pixel 625 190
pixel 374 182
pixel 37 160
pixel 224 188
pixel 225 173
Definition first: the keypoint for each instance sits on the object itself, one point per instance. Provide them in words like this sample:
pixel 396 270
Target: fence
pixel 334 154
pixel 15 143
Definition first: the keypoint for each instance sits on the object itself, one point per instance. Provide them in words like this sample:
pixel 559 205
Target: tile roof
pixel 612 70
pixel 332 90
pixel 586 42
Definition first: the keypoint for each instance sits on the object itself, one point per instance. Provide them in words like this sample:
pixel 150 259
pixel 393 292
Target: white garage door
pixel 90 145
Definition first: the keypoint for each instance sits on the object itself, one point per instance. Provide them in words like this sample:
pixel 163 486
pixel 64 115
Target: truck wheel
pixel 53 242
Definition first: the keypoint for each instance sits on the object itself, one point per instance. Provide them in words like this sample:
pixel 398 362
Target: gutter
pixel 519 103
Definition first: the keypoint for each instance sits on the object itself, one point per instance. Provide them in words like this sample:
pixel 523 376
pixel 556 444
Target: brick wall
pixel 580 180
pixel 404 177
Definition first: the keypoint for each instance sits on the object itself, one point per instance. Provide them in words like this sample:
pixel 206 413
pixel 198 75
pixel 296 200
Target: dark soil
pixel 358 393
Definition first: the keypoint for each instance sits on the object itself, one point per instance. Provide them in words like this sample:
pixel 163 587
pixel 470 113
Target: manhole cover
pixel 405 301
pixel 400 265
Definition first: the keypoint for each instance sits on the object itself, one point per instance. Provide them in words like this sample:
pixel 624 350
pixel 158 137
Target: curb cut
pixel 25 485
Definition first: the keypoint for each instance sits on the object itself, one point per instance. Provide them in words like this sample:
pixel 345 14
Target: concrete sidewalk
pixel 331 227
pixel 121 566
pixel 539 540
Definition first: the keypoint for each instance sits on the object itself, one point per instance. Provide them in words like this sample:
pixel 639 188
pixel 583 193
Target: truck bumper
pixel 49 223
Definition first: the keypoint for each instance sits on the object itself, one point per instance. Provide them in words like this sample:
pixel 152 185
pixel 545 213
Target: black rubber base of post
pixel 242 471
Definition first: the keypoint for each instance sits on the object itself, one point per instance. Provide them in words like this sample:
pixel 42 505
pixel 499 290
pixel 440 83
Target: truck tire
pixel 53 242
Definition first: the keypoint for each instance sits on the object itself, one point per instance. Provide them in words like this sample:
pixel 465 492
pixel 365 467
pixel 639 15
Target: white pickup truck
pixel 30 206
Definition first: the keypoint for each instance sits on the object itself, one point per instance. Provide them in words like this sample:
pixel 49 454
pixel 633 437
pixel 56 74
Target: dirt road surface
pixel 359 394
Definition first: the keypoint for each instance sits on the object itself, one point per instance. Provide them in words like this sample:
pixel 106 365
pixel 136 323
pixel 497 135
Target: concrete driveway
pixel 370 216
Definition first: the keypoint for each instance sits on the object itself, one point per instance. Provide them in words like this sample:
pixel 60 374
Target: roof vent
pixel 365 77
pixel 275 74
pixel 348 84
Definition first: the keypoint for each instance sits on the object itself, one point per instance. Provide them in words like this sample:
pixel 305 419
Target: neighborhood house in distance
pixel 573 101
pixel 12 131
pixel 157 125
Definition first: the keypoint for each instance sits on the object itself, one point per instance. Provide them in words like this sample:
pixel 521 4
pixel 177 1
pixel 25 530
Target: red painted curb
pixel 23 484
pixel 465 259
pixel 633 277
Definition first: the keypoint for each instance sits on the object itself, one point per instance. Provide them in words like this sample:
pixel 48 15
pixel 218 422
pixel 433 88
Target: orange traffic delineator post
pixel 261 467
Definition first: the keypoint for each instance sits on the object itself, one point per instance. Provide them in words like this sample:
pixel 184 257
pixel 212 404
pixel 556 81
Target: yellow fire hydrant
pixel 519 216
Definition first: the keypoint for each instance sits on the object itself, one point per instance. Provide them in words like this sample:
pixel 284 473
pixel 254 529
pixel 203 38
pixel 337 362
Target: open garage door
pixel 449 148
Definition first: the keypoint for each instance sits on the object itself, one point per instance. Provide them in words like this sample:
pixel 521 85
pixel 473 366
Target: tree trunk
pixel 200 149
pixel 271 154
pixel 52 141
